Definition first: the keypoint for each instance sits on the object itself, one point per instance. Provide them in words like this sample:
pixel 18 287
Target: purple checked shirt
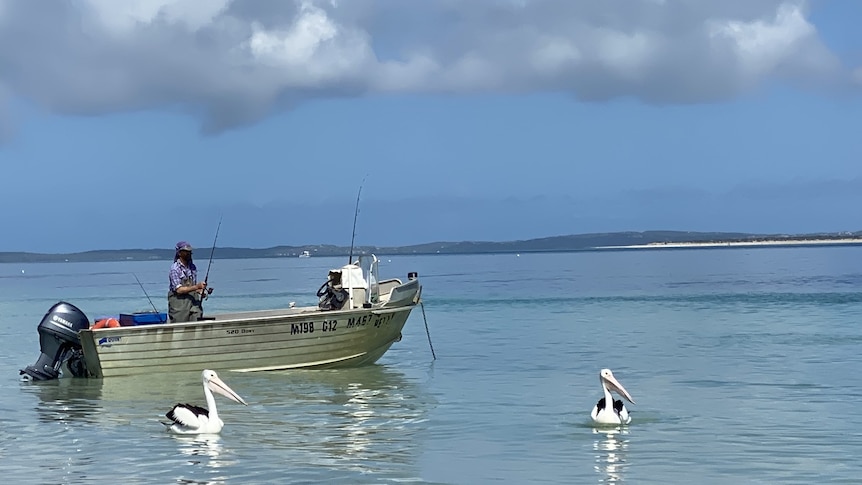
pixel 182 275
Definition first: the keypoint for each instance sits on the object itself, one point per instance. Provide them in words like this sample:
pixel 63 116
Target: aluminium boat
pixel 357 319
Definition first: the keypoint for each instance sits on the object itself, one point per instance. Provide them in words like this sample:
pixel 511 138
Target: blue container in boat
pixel 145 318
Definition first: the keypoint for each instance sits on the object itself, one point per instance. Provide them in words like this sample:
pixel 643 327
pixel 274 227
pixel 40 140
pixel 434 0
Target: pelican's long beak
pixel 217 385
pixel 614 385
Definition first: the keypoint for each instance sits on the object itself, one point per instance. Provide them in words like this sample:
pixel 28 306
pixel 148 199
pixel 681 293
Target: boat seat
pixel 358 297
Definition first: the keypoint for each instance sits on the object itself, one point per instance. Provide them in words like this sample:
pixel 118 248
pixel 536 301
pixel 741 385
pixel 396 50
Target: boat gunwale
pixel 237 318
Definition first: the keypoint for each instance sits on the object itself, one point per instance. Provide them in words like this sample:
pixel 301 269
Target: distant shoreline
pixel 721 244
pixel 614 241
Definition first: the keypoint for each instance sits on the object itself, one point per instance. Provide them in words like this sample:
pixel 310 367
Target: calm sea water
pixel 744 364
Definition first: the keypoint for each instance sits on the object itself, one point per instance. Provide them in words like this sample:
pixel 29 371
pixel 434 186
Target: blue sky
pixel 136 124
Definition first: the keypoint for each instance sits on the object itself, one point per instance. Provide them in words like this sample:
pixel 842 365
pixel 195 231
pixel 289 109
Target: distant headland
pixel 571 243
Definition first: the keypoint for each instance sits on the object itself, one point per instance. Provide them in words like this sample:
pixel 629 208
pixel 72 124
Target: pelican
pixel 191 419
pixel 617 413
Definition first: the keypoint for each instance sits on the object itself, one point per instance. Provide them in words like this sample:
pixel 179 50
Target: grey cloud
pixel 234 62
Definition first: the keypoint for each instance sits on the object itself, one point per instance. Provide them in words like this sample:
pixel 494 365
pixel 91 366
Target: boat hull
pixel 246 342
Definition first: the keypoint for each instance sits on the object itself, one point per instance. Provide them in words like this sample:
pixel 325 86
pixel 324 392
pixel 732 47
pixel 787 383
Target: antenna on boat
pixel 212 251
pixel 355 216
pixel 145 294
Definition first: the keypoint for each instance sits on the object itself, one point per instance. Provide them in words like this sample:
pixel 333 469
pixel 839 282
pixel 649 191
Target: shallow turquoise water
pixel 743 363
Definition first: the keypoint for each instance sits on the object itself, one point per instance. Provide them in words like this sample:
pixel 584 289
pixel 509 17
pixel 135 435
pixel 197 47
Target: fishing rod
pixel 355 216
pixel 212 252
pixel 147 295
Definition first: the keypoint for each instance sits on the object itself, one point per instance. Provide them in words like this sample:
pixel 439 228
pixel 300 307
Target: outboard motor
pixel 59 343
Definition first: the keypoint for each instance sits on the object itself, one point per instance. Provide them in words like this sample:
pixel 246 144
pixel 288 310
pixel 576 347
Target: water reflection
pixel 206 451
pixel 611 446
pixel 163 388
pixel 67 399
pixel 129 399
pixel 205 448
pixel 369 420
pixel 363 419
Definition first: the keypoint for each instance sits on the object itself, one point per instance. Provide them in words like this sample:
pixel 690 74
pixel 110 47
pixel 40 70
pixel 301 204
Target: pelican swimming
pixel 191 419
pixel 617 413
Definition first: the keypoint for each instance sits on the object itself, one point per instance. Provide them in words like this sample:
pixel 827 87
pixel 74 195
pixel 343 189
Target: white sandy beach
pixel 777 242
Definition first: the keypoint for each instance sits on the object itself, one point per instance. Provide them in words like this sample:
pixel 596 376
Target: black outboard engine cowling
pixel 59 343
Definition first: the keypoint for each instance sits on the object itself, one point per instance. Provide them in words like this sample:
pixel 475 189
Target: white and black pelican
pixel 191 419
pixel 616 413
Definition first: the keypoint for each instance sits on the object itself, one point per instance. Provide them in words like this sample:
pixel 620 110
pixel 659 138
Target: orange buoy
pixel 106 323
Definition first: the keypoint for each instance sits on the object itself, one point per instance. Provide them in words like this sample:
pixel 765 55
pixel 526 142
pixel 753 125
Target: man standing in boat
pixel 185 294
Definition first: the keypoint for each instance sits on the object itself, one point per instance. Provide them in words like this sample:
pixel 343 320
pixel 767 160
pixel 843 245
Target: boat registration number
pixel 375 320
pixel 308 327
pixel 302 327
